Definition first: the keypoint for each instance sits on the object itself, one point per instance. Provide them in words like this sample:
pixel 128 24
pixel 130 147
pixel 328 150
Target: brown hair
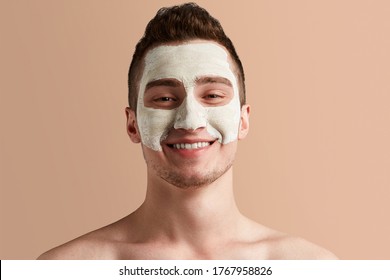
pixel 177 24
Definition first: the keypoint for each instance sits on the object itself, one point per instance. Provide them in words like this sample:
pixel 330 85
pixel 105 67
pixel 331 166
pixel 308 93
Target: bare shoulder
pixel 98 244
pixel 77 249
pixel 296 248
pixel 275 245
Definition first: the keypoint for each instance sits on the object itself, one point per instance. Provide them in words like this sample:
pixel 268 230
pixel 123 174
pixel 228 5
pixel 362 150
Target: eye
pixel 164 102
pixel 167 95
pixel 165 99
pixel 212 96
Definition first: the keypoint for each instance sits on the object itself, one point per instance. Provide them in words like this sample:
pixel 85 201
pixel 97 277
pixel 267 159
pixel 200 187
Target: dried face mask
pixel 187 63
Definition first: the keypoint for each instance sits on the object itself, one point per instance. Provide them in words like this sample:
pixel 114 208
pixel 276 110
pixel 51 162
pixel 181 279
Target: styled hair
pixel 180 24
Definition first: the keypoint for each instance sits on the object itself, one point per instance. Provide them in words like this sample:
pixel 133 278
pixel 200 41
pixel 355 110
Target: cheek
pixel 225 120
pixel 154 126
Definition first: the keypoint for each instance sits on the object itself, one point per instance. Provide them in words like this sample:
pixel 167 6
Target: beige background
pixel 315 164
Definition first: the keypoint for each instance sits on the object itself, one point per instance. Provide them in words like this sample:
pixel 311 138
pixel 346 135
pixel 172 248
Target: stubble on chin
pixel 180 179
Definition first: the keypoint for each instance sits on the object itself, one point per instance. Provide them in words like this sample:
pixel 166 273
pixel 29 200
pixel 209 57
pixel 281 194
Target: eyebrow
pixel 213 80
pixel 198 81
pixel 163 82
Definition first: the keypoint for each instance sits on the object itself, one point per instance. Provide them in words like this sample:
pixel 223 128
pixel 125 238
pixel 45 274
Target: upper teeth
pixel 191 146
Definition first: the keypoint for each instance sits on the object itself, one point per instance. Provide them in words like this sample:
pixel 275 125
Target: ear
pixel 244 122
pixel 132 127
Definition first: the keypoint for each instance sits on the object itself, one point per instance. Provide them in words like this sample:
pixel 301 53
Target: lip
pixel 188 153
pixel 189 141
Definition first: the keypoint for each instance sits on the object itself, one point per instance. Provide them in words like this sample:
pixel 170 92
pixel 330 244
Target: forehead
pixel 193 59
pixel 200 47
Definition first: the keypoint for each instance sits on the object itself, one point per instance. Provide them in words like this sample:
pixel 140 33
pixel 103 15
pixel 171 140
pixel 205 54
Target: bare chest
pixel 166 252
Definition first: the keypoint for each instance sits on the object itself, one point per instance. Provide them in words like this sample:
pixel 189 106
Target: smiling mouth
pixel 190 146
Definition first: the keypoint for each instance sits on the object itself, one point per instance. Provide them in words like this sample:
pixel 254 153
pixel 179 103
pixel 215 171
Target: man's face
pixel 188 109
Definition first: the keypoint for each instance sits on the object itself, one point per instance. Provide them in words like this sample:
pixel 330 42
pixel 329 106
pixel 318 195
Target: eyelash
pixel 212 96
pixel 165 99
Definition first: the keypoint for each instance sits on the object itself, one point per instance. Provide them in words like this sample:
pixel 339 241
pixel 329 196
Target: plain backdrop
pixel 315 163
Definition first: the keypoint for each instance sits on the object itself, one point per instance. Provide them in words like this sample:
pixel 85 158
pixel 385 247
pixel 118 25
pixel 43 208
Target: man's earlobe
pixel 132 128
pixel 244 122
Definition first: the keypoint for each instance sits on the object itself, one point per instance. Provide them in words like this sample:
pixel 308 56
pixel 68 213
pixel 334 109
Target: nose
pixel 190 115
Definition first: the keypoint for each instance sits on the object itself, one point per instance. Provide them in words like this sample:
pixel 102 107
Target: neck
pixel 198 216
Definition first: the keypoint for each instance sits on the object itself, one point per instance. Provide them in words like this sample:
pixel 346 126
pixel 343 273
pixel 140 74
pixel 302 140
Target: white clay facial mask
pixel 177 92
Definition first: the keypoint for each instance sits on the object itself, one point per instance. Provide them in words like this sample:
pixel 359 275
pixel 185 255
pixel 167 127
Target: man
pixel 187 109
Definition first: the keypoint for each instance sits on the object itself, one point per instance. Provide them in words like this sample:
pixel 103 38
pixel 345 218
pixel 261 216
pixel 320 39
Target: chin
pixel 192 180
